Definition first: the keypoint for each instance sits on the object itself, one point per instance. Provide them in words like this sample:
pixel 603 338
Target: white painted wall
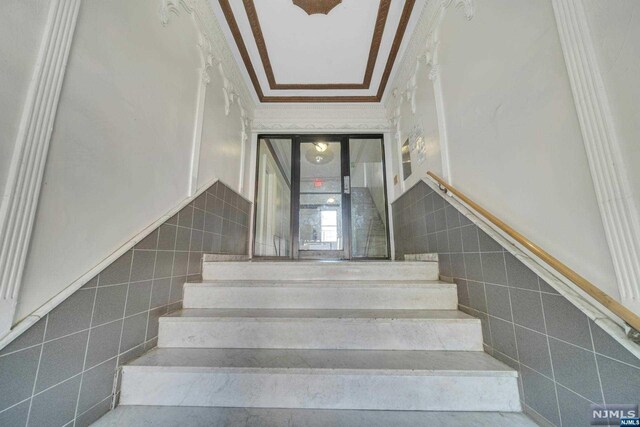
pixel 514 138
pixel 615 31
pixel 21 28
pixel 221 138
pixel 424 119
pixel 121 148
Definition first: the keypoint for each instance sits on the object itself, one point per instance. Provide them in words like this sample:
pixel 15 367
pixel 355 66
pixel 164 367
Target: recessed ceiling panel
pixel 345 55
pixel 318 49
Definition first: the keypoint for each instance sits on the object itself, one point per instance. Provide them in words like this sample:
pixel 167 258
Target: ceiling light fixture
pixel 319 154
pixel 321 147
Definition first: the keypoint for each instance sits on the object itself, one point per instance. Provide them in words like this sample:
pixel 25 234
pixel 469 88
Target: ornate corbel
pixel 468 6
pixel 168 7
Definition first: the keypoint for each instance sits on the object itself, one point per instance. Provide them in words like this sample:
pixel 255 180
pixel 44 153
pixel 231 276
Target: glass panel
pixel 273 203
pixel 406 160
pixel 320 213
pixel 368 202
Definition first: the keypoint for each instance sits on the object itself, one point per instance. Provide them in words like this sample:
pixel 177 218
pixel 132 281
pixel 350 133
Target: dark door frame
pixel 296 140
pixel 296 252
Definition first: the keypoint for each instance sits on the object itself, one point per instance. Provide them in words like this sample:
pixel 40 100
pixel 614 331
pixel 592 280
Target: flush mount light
pixel 331 200
pixel 321 147
pixel 317 156
pixel 317 6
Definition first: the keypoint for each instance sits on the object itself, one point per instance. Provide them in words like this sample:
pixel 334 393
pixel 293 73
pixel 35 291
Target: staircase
pixel 321 335
pixel 369 233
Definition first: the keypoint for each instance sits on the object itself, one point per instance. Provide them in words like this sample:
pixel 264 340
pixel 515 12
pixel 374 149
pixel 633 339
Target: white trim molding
pixel 27 322
pixel 424 48
pixel 333 118
pixel 593 309
pixel 22 190
pixel 206 32
pixel 619 214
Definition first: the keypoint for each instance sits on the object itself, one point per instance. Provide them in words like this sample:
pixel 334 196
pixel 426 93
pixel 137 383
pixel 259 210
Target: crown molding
pixel 320 118
pixel 256 30
pixel 22 190
pixel 257 34
pixel 619 213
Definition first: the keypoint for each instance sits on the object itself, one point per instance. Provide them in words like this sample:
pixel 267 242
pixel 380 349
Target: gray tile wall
pixel 565 361
pixel 61 371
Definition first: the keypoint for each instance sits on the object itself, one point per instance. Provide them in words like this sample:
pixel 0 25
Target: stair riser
pixel 321 298
pixel 319 390
pixel 319 271
pixel 356 334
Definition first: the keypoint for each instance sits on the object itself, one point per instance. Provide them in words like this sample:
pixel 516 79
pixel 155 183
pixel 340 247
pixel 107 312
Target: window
pixel 329 225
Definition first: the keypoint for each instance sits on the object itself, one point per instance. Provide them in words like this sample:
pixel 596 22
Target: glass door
pixel 321 197
pixel 272 225
pixel 369 223
pixel 321 191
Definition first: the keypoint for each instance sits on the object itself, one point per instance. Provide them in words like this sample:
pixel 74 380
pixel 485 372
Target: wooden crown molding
pixel 256 29
pixel 252 15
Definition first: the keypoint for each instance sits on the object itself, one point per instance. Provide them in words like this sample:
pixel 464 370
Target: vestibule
pixel 321 197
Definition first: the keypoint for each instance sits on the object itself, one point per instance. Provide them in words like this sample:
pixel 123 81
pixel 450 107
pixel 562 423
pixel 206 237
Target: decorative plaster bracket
pixel 425 49
pixel 468 6
pixel 208 60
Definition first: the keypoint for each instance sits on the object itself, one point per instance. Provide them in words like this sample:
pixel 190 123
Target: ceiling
pixel 345 55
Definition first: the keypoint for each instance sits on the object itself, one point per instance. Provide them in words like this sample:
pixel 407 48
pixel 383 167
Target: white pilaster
pixel 21 193
pixel 619 214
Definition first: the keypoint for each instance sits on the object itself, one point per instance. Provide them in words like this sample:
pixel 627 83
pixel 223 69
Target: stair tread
pixel 399 362
pixel 334 263
pixel 204 314
pixel 427 284
pixel 162 416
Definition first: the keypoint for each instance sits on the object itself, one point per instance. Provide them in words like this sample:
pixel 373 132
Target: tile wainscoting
pixel 565 361
pixel 62 369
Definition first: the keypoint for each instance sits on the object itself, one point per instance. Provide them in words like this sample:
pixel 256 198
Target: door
pixel 368 199
pixel 272 225
pixel 321 196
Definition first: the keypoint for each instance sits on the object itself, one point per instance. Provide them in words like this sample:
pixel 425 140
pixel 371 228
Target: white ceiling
pixel 316 49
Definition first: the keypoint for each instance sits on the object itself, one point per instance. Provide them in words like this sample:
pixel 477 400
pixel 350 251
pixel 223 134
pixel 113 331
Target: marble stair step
pixel 322 379
pixel 182 416
pixel 321 329
pixel 318 270
pixel 352 294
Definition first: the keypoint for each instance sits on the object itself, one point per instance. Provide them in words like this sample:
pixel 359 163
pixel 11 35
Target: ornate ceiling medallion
pixel 317 6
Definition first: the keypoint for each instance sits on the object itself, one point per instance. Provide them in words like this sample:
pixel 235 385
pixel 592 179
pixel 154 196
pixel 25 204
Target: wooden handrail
pixel 602 297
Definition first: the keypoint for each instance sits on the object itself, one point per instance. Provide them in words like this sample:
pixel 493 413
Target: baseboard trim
pixel 21 326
